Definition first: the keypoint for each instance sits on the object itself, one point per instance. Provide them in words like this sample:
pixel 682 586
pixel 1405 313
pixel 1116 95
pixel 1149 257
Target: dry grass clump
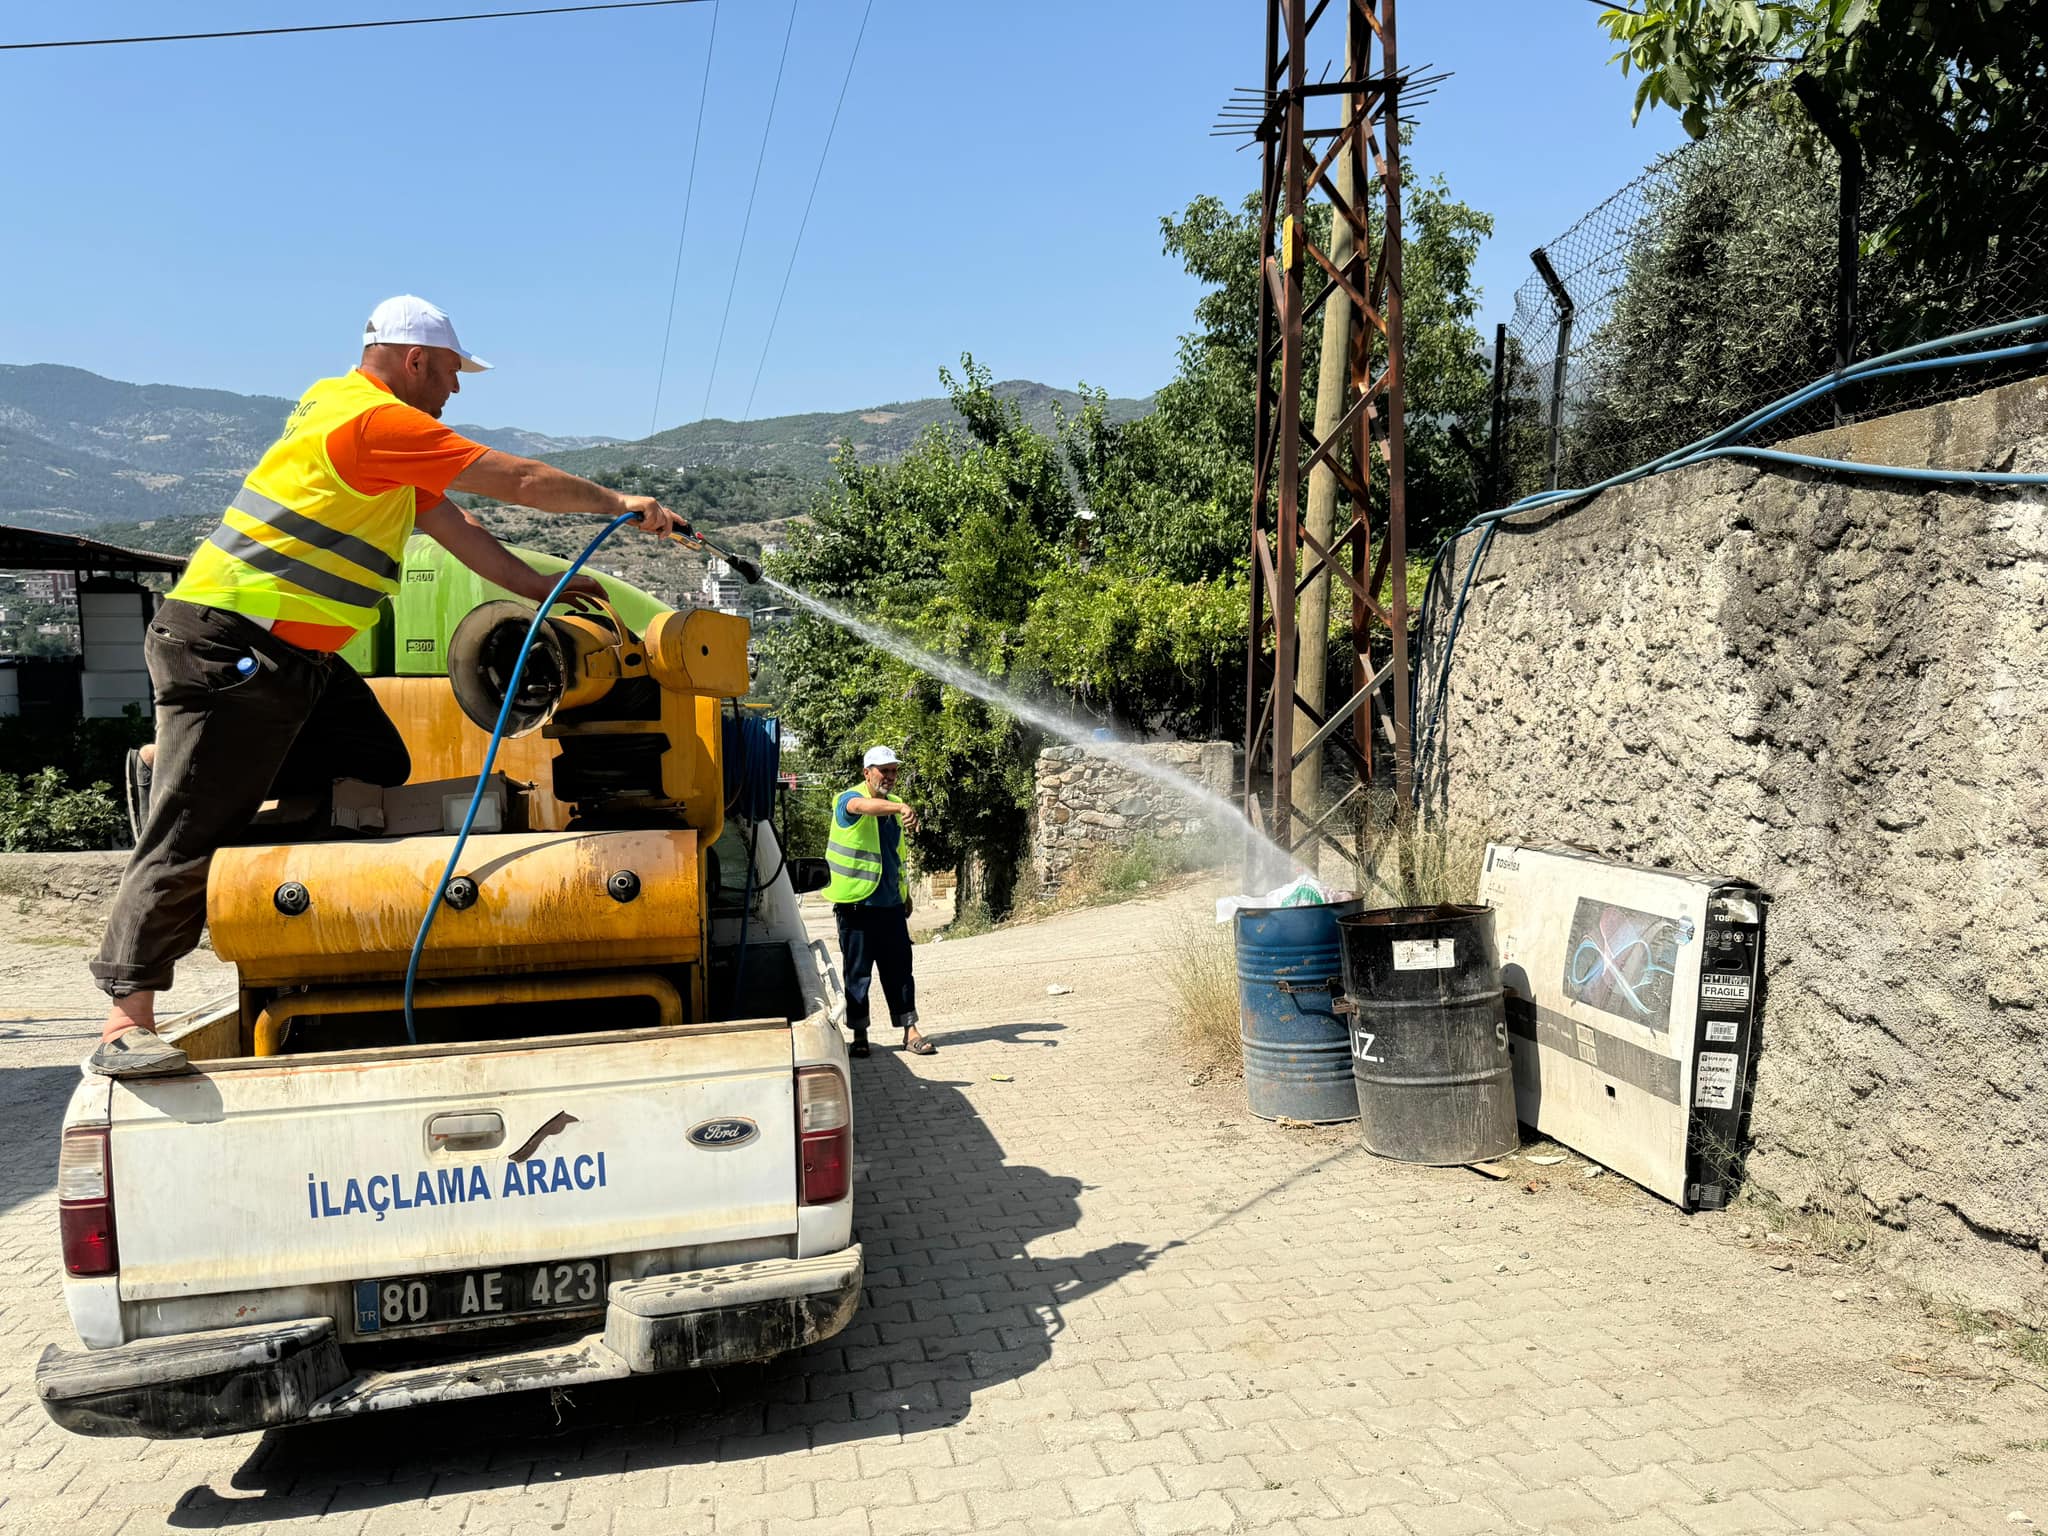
pixel 1430 861
pixel 1200 966
pixel 1106 874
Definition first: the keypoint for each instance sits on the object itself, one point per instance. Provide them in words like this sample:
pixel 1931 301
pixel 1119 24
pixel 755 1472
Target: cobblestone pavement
pixel 1104 1300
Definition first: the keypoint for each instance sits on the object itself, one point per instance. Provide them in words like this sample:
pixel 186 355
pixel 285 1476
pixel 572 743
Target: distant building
pixel 49 586
pixel 721 588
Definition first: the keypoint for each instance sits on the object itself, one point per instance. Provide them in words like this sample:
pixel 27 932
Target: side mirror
pixel 808 875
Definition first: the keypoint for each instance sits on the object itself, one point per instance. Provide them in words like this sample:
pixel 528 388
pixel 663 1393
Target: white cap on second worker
pixel 410 321
pixel 879 757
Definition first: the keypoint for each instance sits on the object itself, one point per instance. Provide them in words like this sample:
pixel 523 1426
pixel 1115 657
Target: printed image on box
pixel 1622 962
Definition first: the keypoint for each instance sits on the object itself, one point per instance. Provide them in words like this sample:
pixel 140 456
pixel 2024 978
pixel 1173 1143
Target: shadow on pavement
pixel 954 1305
pixel 32 1101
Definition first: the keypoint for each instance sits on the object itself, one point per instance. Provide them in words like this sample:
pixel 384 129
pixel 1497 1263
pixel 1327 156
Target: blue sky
pixel 226 213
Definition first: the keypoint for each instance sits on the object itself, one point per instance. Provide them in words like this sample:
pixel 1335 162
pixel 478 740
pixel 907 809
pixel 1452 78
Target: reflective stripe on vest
pixel 289 523
pixel 298 542
pixel 853 855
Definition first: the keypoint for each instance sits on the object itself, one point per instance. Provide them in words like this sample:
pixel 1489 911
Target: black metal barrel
pixel 1429 1034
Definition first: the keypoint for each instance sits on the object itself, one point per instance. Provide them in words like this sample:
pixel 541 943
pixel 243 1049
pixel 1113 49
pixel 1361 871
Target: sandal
pixel 918 1047
pixel 859 1048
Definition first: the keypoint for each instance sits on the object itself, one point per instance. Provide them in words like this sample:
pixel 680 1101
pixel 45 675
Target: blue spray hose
pixel 419 940
pixel 1724 444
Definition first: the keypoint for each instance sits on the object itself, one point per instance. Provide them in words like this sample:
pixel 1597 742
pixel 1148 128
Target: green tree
pixel 1185 484
pixel 1726 302
pixel 40 813
pixel 948 545
pixel 1950 96
pixel 974 546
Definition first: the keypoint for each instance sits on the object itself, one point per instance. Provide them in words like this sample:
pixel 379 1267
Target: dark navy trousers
pixel 875 939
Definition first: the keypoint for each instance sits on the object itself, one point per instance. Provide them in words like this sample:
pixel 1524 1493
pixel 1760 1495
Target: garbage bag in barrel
pixel 1429 1034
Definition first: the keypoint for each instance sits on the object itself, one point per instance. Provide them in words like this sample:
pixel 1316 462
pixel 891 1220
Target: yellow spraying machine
pixel 595 876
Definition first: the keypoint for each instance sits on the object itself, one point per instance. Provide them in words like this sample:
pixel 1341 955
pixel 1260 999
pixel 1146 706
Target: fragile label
pixel 1714 1084
pixel 1424 954
pixel 1724 989
pixel 1723 1030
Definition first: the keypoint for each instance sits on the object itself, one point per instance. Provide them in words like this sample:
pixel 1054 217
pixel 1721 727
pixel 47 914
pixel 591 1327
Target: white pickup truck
pixel 617 1136
pixel 279 1240
pixel 268 1240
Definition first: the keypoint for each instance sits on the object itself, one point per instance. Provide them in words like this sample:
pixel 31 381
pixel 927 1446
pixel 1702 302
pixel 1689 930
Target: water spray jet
pixel 1266 859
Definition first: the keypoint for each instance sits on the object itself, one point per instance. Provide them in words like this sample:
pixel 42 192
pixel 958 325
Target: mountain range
pixel 79 451
pixel 803 445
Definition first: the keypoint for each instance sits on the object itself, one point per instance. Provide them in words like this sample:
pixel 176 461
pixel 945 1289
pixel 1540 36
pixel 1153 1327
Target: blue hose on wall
pixel 1726 443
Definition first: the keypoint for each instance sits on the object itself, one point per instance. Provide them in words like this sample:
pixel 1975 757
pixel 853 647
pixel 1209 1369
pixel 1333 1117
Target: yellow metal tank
pixel 340 911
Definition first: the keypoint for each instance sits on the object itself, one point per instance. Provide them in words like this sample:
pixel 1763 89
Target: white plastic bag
pixel 1304 890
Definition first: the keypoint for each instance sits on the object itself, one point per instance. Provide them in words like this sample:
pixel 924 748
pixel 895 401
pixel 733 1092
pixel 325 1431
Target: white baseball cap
pixel 410 321
pixel 879 757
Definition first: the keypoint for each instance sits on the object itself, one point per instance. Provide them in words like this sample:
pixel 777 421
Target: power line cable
pixel 675 279
pixel 747 222
pixel 346 26
pixel 804 222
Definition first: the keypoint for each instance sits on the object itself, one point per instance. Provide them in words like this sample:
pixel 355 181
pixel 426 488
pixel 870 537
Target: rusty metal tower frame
pixel 1297 159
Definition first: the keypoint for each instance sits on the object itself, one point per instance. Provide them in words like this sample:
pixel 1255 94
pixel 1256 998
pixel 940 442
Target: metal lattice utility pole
pixel 1319 518
pixel 1368 552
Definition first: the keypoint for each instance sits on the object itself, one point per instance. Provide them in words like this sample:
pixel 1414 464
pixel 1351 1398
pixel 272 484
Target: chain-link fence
pixel 1710 286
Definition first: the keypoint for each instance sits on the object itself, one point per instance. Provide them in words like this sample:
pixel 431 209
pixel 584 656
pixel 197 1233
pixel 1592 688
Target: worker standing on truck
pixel 251 700
pixel 870 896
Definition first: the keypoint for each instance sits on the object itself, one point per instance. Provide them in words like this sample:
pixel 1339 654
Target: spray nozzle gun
pixel 750 569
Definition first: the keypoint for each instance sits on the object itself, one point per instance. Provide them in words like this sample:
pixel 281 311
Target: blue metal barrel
pixel 1297 1051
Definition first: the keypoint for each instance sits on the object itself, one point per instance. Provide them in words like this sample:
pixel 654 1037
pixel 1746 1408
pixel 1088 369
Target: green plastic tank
pixel 436 591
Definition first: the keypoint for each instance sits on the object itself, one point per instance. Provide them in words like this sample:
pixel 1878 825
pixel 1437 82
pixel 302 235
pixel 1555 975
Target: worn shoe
pixel 139 776
pixel 860 1047
pixel 138 1053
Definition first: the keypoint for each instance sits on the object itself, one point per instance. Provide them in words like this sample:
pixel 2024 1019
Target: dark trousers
pixel 876 939
pixel 241 717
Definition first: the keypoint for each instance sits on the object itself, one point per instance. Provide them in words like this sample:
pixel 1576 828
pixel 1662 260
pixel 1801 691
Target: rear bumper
pixel 236 1380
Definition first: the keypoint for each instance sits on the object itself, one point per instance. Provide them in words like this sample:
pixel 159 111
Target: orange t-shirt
pixel 386 447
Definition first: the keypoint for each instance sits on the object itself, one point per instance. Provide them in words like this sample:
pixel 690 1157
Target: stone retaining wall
pixel 1837 688
pixel 1086 801
pixel 86 879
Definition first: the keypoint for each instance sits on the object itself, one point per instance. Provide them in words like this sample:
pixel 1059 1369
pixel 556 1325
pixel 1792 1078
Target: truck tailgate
pixel 257 1174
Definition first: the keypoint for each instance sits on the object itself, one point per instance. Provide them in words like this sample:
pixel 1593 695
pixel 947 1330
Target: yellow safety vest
pixel 298 542
pixel 853 856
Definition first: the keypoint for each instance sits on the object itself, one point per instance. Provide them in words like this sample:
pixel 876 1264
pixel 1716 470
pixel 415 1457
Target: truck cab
pixel 615 1136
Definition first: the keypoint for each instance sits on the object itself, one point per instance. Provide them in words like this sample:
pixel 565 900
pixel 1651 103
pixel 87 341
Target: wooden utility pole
pixel 1320 519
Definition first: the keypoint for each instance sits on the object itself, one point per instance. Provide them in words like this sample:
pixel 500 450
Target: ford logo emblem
pixel 735 1132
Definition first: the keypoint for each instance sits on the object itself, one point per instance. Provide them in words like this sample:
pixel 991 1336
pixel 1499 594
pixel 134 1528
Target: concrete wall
pixel 1840 689
pixel 1084 801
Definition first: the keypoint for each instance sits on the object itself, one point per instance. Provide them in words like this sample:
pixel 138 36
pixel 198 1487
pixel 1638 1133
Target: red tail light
pixel 824 1142
pixel 85 1202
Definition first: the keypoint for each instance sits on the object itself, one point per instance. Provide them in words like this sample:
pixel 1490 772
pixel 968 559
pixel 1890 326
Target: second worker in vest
pixel 870 896
pixel 252 701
